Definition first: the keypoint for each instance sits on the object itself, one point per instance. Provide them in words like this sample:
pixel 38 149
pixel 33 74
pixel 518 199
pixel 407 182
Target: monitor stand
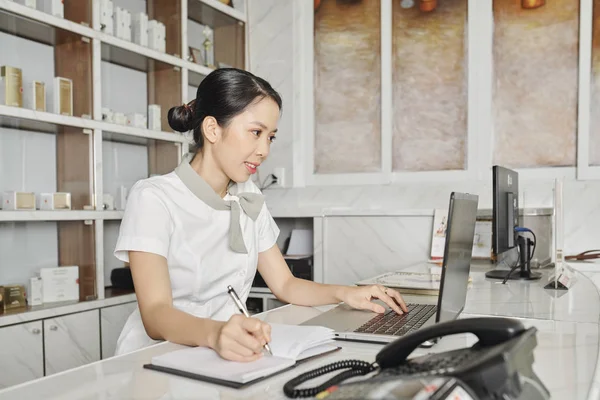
pixel 525 268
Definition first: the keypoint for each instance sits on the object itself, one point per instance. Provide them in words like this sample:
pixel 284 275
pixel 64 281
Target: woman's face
pixel 245 143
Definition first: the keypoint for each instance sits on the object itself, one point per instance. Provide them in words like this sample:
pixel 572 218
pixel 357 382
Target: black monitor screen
pixel 505 212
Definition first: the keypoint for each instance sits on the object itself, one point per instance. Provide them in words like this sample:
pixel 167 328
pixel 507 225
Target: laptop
pixel 365 326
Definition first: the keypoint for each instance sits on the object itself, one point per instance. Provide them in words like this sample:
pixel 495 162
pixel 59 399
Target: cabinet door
pixel 21 353
pixel 112 320
pixel 71 341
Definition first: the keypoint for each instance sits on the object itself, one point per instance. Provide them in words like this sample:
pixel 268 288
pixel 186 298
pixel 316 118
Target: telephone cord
pixel 358 368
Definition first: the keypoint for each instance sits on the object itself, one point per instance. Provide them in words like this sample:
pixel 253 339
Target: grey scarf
pixel 251 203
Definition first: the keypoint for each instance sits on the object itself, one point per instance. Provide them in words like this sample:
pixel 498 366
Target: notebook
pixel 290 345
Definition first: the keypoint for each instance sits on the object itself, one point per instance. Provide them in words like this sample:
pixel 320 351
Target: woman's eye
pixel 272 139
pixel 256 133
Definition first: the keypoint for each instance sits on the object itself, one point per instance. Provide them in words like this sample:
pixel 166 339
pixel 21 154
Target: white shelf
pixel 50 310
pixel 49 20
pixel 58 215
pixel 37 117
pixel 232 12
pixel 46 19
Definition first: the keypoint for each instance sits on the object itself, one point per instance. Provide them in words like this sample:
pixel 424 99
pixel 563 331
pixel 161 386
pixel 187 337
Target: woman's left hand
pixel 360 297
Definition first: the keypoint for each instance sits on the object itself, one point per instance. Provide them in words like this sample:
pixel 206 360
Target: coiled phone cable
pixel 357 368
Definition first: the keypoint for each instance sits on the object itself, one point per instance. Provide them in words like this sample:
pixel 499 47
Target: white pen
pixel 242 309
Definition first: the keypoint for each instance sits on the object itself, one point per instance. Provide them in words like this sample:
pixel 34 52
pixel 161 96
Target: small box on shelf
pixel 106 16
pixel 11 86
pixel 137 120
pixel 14 296
pixel 154 120
pixel 52 7
pixel 18 201
pixel 139 27
pixel 34 294
pixel 157 35
pixel 34 96
pixel 54 201
pixel 63 96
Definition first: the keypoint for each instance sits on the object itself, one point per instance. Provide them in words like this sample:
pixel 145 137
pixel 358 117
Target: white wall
pixel 271 38
pixel 271 25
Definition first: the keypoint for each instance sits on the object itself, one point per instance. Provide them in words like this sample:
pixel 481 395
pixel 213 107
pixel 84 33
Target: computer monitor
pixel 505 220
pixel 505 209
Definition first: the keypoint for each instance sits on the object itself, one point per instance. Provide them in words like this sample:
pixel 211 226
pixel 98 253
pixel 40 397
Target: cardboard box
pixel 63 96
pixel 34 96
pixel 139 28
pixel 54 201
pixel 154 119
pixel 106 17
pixel 18 201
pixel 34 294
pixel 11 86
pixel 14 297
pixel 52 7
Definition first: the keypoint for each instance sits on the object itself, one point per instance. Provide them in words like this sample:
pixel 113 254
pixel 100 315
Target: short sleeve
pixel 146 224
pixel 268 231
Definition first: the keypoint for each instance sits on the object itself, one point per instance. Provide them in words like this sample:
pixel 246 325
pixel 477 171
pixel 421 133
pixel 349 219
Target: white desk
pixel 565 358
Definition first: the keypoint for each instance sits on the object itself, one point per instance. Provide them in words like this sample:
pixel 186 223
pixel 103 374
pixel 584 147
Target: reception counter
pixel 566 356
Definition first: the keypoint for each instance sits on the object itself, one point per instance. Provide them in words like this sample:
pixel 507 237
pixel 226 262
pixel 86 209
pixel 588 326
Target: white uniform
pixel 164 217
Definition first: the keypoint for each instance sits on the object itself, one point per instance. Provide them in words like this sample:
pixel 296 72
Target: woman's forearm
pixel 308 293
pixel 165 322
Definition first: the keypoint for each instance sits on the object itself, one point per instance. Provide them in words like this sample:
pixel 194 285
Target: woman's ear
pixel 211 129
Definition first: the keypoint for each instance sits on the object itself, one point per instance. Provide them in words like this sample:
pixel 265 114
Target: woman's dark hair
pixel 223 94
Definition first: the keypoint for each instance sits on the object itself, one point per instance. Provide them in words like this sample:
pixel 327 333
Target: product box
pixel 63 96
pixel 106 16
pixel 119 118
pixel 54 201
pixel 107 115
pixel 14 296
pixel 139 28
pixel 154 117
pixel 34 96
pixel 60 284
pixel 126 25
pixel 11 86
pixel 34 294
pixel 52 7
pixel 156 35
pixel 108 201
pixel 18 201
pixel 137 120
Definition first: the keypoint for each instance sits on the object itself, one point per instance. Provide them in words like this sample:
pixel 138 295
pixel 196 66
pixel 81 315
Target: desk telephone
pixel 498 366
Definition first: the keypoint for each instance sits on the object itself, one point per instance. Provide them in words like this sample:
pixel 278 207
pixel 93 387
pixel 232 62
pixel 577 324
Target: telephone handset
pixel 490 332
pixel 499 364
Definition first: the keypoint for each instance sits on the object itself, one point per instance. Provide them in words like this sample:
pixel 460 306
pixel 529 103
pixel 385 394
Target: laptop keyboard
pixel 394 324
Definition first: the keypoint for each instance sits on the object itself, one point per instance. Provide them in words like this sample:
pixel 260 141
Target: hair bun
pixel 181 118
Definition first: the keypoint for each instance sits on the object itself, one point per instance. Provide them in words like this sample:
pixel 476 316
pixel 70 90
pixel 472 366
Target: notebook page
pixel 207 362
pixel 289 341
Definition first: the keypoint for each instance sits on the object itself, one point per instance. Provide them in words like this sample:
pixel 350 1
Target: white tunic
pixel 164 217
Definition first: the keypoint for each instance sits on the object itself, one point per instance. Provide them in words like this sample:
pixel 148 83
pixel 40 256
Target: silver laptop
pixel 366 326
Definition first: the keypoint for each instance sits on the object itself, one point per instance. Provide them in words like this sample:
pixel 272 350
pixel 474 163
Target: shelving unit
pixel 83 143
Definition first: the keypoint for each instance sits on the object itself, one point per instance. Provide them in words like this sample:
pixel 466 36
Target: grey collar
pixel 251 203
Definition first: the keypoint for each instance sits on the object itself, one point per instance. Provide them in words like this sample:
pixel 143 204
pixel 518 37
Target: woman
pixel 189 234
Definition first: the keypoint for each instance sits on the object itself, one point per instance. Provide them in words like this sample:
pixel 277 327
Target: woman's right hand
pixel 241 338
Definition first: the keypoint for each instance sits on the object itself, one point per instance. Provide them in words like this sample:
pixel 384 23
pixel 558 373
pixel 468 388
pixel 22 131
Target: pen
pixel 242 309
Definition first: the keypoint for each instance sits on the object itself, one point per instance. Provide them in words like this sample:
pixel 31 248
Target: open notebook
pixel 290 344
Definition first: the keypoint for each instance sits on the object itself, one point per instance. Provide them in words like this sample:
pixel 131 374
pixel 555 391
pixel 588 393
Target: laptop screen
pixel 457 255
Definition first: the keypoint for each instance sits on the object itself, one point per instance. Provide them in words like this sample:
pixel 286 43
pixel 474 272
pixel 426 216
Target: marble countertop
pixel 566 356
pixel 279 210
